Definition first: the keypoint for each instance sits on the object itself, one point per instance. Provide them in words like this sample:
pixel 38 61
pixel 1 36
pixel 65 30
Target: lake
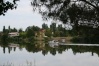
pixel 42 54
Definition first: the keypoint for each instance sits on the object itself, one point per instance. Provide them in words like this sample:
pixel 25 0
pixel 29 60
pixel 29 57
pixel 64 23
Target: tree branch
pixel 97 8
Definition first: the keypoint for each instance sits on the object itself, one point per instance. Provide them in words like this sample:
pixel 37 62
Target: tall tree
pixel 9 29
pixel 4 30
pixel 20 30
pixel 29 32
pixel 53 27
pixel 77 12
pixel 60 28
pixel 44 26
pixel 14 30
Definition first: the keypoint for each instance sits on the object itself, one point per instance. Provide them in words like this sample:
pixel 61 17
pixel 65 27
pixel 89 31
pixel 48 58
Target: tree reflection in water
pixel 45 48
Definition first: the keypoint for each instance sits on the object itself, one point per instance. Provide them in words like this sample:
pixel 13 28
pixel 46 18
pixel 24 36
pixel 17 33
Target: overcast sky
pixel 22 17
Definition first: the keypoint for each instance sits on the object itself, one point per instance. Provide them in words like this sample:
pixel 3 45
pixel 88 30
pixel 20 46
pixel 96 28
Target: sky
pixel 22 17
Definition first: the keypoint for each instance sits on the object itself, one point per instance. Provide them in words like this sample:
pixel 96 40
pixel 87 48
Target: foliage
pixel 77 12
pixel 30 31
pixel 48 33
pixel 44 26
pixel 20 30
pixel 23 34
pixel 84 35
pixel 53 27
pixel 6 5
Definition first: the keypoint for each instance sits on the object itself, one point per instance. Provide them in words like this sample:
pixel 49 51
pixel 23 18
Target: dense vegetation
pixel 30 33
pixel 82 15
pixel 77 12
pixel 84 35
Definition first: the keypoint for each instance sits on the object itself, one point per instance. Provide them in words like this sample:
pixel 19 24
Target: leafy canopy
pixel 5 5
pixel 77 12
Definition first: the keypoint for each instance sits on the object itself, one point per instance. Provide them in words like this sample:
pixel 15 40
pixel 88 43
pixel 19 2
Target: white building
pixel 13 34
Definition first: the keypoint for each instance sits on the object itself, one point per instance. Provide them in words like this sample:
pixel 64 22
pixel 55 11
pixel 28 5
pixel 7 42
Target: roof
pixel 13 33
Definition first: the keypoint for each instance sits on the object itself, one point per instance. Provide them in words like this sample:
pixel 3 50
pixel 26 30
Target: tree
pixel 20 30
pixel 23 35
pixel 14 30
pixel 60 28
pixel 29 32
pixel 5 35
pixel 77 12
pixel 48 33
pixel 4 30
pixel 35 28
pixel 9 29
pixel 53 27
pixel 44 26
pixel 6 5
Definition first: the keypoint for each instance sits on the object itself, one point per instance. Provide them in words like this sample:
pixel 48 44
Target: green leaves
pixel 6 5
pixel 74 11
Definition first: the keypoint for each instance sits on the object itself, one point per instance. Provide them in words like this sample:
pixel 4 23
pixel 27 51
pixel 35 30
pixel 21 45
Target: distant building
pixel 13 34
pixel 40 33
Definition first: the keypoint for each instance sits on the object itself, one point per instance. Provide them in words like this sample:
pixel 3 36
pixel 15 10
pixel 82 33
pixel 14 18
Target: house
pixel 40 33
pixel 13 34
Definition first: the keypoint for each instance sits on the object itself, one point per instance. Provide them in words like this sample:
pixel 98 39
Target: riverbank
pixel 63 39
pixel 77 39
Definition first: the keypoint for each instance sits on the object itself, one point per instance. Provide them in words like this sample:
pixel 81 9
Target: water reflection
pixel 52 48
pixel 45 53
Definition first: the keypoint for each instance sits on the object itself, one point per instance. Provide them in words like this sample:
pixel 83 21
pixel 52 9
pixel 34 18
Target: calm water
pixel 41 54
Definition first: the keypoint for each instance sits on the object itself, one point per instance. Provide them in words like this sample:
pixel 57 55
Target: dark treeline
pixel 84 34
pixel 34 31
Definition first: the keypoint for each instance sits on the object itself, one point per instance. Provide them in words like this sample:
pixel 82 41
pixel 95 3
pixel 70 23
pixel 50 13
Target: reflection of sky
pixel 67 58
